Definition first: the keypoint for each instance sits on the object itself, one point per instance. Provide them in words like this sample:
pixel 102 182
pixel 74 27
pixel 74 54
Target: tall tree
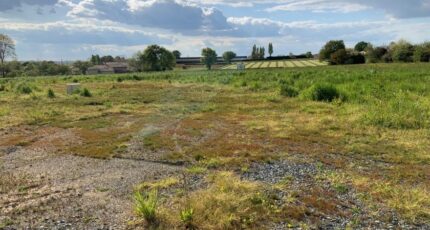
pixel 361 46
pixel 402 51
pixel 7 49
pixel 106 59
pixel 209 57
pixel 330 48
pixel 154 58
pixel 228 56
pixel 270 49
pixel 177 54
pixel 82 66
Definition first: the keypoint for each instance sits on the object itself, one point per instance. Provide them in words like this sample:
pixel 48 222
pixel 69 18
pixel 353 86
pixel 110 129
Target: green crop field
pixel 306 147
pixel 277 64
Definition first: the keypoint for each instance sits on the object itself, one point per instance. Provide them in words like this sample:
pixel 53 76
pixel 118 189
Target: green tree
pixel 209 57
pixel 7 50
pixel 228 56
pixel 402 51
pixel 106 59
pixel 95 59
pixel 177 54
pixel 309 54
pixel 422 52
pixel 330 48
pixel 82 66
pixel 270 49
pixel 361 46
pixel 154 58
pixel 339 57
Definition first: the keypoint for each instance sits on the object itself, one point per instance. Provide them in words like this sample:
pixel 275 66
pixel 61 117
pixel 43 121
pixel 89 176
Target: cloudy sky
pixel 75 29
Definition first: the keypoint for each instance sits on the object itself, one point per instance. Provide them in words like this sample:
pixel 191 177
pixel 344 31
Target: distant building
pixel 109 68
pixel 197 60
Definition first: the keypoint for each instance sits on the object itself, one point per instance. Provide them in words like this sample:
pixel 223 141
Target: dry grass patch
pixel 227 203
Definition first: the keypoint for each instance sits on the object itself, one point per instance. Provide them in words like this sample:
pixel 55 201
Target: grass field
pixel 243 150
pixel 277 64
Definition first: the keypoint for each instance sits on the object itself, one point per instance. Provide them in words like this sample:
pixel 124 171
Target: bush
pixel 2 88
pixel 119 79
pixel 322 92
pixel 51 93
pixel 289 91
pixel 146 205
pixel 25 89
pixel 86 93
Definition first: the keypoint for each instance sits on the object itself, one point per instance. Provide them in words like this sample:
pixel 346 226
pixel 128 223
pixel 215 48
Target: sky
pixel 76 29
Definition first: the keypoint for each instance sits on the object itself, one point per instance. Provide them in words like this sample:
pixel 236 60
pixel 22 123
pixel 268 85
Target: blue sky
pixel 75 29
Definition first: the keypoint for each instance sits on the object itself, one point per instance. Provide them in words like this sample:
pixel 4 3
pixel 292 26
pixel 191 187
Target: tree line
pixel 336 53
pixel 157 58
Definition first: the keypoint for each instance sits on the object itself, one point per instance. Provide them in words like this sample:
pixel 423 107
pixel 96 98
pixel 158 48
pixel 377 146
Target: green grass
pixel 376 132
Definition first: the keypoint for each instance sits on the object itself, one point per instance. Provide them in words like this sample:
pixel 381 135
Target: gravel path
pixel 72 192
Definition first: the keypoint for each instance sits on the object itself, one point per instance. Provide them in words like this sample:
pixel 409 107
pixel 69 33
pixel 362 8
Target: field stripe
pixel 308 63
pixel 281 64
pixel 317 62
pixel 298 63
pixel 249 65
pixel 273 64
pixel 264 64
pixel 289 64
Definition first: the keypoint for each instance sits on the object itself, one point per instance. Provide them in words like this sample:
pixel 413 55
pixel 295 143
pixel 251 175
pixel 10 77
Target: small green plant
pixel 119 79
pixel 25 89
pixel 322 92
pixel 51 93
pixel 86 93
pixel 2 88
pixel 289 91
pixel 187 216
pixel 146 205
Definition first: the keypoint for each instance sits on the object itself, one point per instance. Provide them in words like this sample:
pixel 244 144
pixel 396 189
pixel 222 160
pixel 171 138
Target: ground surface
pixel 224 143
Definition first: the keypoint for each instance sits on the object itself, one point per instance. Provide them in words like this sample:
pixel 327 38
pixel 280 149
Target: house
pixel 109 68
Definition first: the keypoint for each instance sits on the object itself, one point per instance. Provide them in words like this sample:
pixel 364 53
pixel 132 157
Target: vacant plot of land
pixel 278 64
pixel 329 147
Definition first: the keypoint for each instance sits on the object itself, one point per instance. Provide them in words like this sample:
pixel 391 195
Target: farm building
pixel 109 68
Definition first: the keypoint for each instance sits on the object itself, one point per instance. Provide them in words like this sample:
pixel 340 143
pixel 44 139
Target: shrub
pixel 24 89
pixel 289 91
pixel 51 93
pixel 119 79
pixel 86 93
pixel 146 205
pixel 322 92
pixel 2 88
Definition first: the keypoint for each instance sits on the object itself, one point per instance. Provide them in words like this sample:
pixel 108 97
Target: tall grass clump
pixel 401 111
pixel 24 89
pixel 288 91
pixel 146 205
pixel 86 93
pixel 322 92
pixel 51 93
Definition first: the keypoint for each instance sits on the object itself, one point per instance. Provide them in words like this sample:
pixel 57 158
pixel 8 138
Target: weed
pixel 146 205
pixel 196 170
pixel 322 92
pixel 187 216
pixel 51 93
pixel 86 93
pixel 24 89
pixel 288 91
